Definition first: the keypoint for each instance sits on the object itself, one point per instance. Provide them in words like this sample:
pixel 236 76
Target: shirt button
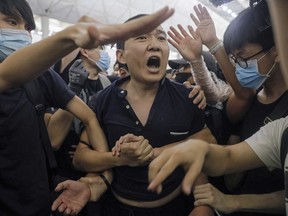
pixel 122 92
pixel 127 106
pixel 137 122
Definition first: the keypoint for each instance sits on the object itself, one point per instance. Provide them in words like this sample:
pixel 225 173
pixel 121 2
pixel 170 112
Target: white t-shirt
pixel 266 143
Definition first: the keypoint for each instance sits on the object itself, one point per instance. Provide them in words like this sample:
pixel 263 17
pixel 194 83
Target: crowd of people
pixel 205 137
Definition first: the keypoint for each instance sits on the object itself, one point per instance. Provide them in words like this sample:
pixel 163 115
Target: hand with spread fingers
pixel 190 155
pixel 205 26
pixel 188 45
pixel 74 197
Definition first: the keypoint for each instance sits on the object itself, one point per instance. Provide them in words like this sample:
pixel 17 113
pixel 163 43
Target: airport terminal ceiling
pixel 115 11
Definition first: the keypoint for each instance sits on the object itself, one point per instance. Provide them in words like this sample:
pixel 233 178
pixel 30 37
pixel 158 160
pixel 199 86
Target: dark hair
pixel 120 65
pixel 19 9
pixel 245 28
pixel 120 44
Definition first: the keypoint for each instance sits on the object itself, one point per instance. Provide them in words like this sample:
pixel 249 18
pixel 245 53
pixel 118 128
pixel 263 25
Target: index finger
pixel 159 169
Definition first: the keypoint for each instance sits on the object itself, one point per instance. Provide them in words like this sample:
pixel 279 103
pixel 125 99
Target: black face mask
pixel 182 77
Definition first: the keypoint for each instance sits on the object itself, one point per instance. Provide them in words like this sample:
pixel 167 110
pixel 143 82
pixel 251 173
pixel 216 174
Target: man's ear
pixel 120 56
pixel 84 52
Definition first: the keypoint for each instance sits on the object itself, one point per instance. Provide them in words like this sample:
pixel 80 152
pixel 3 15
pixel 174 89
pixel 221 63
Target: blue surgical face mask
pixel 12 40
pixel 104 61
pixel 250 76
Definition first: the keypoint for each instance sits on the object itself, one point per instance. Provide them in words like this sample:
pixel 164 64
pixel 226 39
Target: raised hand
pixel 77 76
pixel 189 46
pixel 205 25
pixel 93 34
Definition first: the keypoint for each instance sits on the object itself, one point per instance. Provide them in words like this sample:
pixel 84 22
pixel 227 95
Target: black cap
pixel 177 63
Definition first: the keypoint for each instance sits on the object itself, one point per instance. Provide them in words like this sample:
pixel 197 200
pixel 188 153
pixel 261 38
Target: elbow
pixel 55 142
pixel 245 94
pixel 77 162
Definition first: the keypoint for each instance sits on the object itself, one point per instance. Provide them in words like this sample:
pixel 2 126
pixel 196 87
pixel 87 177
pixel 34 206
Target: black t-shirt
pixel 24 185
pixel 260 180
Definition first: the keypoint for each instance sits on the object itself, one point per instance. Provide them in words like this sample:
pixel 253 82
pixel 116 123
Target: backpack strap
pixel 104 80
pixel 32 91
pixel 279 110
pixel 284 147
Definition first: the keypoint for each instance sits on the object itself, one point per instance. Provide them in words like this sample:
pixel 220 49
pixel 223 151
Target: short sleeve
pixel 266 143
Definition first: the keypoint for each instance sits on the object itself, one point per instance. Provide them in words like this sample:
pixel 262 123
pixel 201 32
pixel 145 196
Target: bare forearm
pixel 96 135
pixel 221 160
pixel 93 132
pixel 89 160
pixel 264 203
pixel 58 127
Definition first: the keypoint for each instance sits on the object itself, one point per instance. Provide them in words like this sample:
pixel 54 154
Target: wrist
pixel 233 204
pixel 105 180
pixel 215 47
pixel 89 187
pixel 212 42
pixel 196 60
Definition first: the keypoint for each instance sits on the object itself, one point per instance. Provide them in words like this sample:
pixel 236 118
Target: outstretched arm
pixel 195 155
pixel 53 48
pixel 207 194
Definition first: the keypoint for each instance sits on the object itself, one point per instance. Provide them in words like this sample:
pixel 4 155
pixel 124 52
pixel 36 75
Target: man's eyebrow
pixel 159 31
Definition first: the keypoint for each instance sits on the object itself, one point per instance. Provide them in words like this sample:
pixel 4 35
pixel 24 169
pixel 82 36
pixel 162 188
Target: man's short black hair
pixel 19 9
pixel 120 44
pixel 246 28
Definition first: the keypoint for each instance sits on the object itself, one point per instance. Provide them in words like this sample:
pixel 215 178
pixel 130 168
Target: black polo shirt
pixel 173 117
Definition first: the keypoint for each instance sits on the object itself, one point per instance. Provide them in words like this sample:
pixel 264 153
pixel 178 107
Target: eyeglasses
pixel 242 62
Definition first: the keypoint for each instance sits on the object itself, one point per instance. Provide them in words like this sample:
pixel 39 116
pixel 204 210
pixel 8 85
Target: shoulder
pixel 101 97
pixel 266 143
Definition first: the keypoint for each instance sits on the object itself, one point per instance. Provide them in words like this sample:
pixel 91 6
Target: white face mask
pixel 250 76
pixel 12 40
pixel 104 60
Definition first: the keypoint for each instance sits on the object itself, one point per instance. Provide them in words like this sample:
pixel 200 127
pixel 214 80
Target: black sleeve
pixel 55 90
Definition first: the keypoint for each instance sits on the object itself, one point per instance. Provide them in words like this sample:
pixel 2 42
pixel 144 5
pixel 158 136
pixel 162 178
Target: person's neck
pixel 273 88
pixel 141 90
pixel 93 75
